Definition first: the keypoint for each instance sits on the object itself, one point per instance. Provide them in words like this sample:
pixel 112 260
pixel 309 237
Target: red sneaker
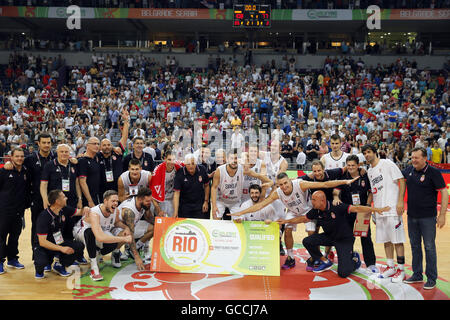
pixel 96 276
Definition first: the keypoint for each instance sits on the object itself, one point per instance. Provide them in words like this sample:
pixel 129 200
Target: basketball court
pixel 294 284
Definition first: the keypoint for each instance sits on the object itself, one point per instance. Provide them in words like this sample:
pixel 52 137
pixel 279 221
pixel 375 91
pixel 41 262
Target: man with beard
pixel 226 191
pixel 130 213
pixel 95 229
pixel 266 214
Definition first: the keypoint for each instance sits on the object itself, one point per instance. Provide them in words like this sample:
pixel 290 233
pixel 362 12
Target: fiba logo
pixel 185 246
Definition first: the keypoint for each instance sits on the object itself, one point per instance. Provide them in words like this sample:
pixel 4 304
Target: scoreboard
pixel 251 16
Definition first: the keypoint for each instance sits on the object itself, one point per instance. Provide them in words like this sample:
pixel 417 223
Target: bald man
pixel 111 158
pixel 337 233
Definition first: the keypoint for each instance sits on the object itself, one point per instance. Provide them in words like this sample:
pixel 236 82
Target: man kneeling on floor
pixel 95 230
pixel 50 241
pixel 337 233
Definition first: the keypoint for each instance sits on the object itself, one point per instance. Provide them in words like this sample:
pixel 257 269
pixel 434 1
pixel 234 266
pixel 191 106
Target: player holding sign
pixel 294 196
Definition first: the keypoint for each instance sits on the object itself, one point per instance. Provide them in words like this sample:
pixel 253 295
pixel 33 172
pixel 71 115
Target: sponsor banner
pixel 419 14
pixel 317 14
pixel 215 247
pixel 189 14
pixel 9 11
pixel 60 12
pixel 405 14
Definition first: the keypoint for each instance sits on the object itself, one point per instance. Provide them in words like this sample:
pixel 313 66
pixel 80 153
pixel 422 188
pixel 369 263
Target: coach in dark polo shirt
pixel 191 188
pixel 423 183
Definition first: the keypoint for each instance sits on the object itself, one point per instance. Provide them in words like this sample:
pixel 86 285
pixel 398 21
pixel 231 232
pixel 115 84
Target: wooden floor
pixel 21 284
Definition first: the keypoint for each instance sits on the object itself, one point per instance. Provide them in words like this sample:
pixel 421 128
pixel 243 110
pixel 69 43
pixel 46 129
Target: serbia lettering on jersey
pixel 331 163
pixel 298 201
pixel 230 188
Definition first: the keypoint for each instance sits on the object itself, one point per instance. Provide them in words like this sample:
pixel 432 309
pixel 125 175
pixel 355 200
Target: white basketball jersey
pixel 230 188
pixel 107 224
pixel 298 201
pixel 331 163
pixel 248 181
pixel 129 187
pixel 130 203
pixel 384 186
pixel 272 168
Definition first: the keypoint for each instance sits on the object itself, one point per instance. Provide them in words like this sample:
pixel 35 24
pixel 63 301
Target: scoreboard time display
pixel 251 16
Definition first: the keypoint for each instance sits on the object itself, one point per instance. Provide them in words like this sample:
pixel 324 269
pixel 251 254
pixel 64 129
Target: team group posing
pixel 252 185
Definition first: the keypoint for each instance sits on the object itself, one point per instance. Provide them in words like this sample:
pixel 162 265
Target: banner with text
pixel 215 247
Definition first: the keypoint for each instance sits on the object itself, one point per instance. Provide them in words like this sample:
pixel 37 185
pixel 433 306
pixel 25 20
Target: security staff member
pixel 51 241
pixel 192 189
pixel 14 198
pixel 61 174
pixel 110 158
pixel 90 174
pixel 423 184
pixel 357 193
pixel 146 160
pixel 337 233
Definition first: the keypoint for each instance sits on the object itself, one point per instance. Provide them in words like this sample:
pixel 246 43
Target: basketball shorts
pixel 390 229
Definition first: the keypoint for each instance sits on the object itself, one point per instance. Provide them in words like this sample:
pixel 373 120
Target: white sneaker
pixel 388 272
pixel 398 277
pixel 372 269
pixel 115 259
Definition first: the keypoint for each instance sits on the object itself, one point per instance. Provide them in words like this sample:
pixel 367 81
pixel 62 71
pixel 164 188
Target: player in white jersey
pixel 336 157
pixel 227 186
pixel 131 181
pixel 95 231
pixel 164 204
pixel 129 214
pixel 276 164
pixel 257 166
pixel 388 189
pixel 266 214
pixel 294 196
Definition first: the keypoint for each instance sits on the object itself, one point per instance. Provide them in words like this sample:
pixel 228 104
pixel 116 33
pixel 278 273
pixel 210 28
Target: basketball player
pixel 250 160
pixel 227 186
pixel 275 164
pixel 162 185
pixel 94 231
pixel 336 157
pixel 294 196
pixel 388 189
pixel 266 214
pixel 130 213
pixel 131 181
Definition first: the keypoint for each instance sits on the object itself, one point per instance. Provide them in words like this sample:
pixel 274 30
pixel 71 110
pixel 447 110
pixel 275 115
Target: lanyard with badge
pixel 356 200
pixel 56 235
pixel 65 182
pixel 109 173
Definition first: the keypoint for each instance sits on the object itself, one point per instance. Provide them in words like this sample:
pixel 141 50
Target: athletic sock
pixel 390 263
pixel 94 265
pixel 290 253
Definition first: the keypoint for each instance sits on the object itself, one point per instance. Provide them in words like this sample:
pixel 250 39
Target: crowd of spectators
pixel 227 4
pixel 396 107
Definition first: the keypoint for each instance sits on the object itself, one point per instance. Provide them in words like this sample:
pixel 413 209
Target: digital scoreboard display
pixel 251 16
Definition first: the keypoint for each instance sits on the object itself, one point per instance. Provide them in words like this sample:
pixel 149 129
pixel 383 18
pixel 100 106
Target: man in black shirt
pixel 312 149
pixel 90 174
pixel 51 242
pixel 14 198
pixel 423 184
pixel 337 233
pixel 61 174
pixel 357 193
pixel 35 163
pixel 110 158
pixel 192 189
pixel 144 158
